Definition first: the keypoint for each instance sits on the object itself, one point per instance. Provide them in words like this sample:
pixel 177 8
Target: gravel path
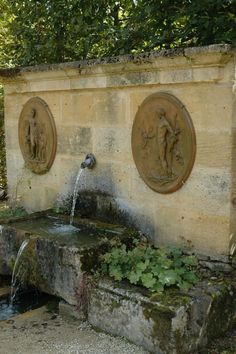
pixel 41 332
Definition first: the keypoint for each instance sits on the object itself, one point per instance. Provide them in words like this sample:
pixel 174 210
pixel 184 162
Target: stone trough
pixel 55 259
pixel 173 322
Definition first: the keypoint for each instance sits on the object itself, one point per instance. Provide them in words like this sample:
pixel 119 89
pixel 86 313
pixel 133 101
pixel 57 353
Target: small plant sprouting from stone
pixel 13 212
pixel 155 269
pixel 60 210
pixel 82 294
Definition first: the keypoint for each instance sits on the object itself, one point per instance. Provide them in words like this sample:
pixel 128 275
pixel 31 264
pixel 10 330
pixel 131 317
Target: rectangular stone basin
pixel 56 257
pixel 57 253
pixel 83 233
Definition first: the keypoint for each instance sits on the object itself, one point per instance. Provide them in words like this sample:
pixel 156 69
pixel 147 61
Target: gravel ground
pixel 41 332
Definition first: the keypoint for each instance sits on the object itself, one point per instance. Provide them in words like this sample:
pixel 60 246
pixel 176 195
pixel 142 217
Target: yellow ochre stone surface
pixel 94 110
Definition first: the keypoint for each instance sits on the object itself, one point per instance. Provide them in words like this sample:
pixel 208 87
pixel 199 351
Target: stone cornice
pixel 177 66
pixel 208 55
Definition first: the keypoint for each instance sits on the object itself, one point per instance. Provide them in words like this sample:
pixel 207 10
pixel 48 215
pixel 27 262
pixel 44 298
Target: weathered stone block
pixel 13 106
pixel 112 144
pixel 74 140
pixel 84 82
pixel 49 85
pixel 134 79
pixel 207 74
pixel 175 322
pixel 176 76
pixel 53 262
pixel 210 106
pixel 214 149
pixel 53 99
pixel 77 107
pixel 109 108
pixel 200 232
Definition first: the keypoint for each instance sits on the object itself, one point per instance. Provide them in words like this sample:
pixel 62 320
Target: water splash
pixel 16 271
pixel 76 189
pixel 60 228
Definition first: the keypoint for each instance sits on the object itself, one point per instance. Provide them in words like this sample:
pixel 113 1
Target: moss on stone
pixel 12 213
pixel 222 308
pixel 171 298
pixel 115 304
pixel 161 319
pixel 11 264
pixel 33 275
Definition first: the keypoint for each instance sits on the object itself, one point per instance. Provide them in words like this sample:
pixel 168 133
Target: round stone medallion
pixel 163 142
pixel 37 135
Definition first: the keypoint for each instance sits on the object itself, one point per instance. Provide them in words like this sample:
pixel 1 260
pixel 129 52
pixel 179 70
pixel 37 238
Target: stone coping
pixel 137 59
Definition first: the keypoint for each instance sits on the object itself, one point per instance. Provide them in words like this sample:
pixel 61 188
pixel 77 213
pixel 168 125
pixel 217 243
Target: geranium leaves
pixel 152 268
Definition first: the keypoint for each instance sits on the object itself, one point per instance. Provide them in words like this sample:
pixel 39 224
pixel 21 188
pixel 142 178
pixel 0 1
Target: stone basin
pixel 58 253
pixel 57 257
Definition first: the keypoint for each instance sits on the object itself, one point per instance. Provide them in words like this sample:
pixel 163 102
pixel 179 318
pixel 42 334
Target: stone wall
pixel 94 104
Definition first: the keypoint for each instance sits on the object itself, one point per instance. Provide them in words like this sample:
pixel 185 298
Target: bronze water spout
pixel 89 161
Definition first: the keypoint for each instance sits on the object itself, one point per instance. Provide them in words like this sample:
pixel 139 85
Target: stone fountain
pixel 162 128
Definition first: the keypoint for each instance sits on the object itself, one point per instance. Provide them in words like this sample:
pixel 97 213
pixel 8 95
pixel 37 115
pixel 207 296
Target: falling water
pixel 16 271
pixel 76 189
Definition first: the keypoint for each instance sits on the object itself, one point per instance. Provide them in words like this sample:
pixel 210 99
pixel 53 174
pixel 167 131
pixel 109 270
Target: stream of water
pixel 15 272
pixel 76 189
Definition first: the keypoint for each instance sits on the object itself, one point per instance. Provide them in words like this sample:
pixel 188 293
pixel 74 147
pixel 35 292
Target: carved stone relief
pixel 37 135
pixel 163 142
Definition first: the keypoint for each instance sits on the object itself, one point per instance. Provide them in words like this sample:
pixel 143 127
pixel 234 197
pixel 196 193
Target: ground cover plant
pixel 153 268
pixel 16 212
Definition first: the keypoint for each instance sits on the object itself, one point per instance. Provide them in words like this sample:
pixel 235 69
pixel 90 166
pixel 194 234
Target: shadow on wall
pixel 107 208
pixel 100 197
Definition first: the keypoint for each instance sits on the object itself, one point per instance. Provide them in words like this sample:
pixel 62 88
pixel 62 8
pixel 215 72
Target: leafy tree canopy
pixel 46 31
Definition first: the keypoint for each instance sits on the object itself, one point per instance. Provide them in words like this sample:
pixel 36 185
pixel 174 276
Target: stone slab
pixel 175 322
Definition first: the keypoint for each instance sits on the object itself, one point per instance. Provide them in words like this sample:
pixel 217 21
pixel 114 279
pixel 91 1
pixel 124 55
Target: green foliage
pixel 60 210
pixel 6 37
pixel 46 31
pixel 152 268
pixel 10 213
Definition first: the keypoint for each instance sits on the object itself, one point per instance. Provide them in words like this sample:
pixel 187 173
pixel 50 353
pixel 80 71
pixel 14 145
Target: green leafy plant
pixel 152 268
pixel 45 31
pixel 10 213
pixel 60 210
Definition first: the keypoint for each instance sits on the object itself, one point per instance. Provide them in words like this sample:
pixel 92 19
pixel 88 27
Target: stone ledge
pixel 218 50
pixel 174 322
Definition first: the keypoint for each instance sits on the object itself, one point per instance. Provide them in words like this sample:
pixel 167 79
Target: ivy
pixel 155 269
